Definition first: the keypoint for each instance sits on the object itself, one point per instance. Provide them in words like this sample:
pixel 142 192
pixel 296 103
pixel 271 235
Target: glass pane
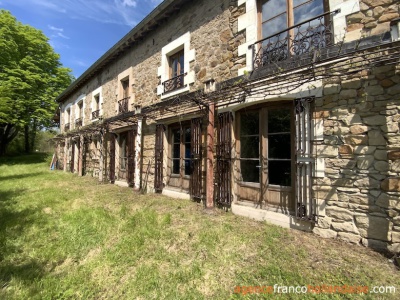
pixel 182 63
pixel 279 173
pixel 279 120
pixel 176 136
pixel 188 166
pixel 250 147
pixel 307 11
pixel 175 166
pixel 272 8
pixel 249 123
pixel 187 134
pixel 250 172
pixel 187 150
pixel 279 146
pixel 274 26
pixel 176 151
pixel 174 67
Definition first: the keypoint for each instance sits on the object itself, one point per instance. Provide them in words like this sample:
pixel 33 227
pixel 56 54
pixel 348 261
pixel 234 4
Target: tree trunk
pixel 33 134
pixel 8 132
pixel 26 136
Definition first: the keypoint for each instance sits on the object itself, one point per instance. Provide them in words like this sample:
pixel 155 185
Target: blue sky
pixel 81 30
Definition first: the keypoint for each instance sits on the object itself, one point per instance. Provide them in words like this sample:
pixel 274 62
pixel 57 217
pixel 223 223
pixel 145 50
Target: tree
pixel 31 77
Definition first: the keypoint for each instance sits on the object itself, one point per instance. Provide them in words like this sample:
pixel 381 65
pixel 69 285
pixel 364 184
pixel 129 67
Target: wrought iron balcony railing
pixel 123 106
pixel 66 127
pixel 298 40
pixel 174 83
pixel 78 123
pixel 95 114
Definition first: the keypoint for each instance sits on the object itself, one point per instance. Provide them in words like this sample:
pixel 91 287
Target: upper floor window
pixel 177 72
pixel 67 120
pixel 291 28
pixel 277 15
pixel 79 114
pixel 123 104
pixel 96 107
pixel 174 72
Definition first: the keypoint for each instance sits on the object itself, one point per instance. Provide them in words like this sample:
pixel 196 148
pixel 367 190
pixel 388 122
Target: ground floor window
pixel 181 151
pixel 266 146
pixel 123 151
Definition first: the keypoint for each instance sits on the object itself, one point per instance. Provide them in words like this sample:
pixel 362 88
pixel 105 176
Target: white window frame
pixel 125 75
pixel 97 92
pixel 80 99
pixel 249 22
pixel 183 42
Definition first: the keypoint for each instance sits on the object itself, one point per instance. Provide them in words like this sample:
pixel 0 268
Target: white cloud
pixel 55 28
pixel 58 32
pixel 131 3
pixel 123 12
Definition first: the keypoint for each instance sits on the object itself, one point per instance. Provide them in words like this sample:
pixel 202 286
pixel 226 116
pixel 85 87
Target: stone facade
pixel 354 126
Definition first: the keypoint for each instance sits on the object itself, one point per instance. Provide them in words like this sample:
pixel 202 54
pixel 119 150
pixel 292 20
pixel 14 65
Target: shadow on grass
pixel 13 223
pixel 18 176
pixel 26 159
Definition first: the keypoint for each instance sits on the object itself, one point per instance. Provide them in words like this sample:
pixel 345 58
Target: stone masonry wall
pixel 361 148
pixel 374 16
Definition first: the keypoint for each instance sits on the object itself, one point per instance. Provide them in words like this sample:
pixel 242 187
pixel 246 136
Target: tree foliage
pixel 31 77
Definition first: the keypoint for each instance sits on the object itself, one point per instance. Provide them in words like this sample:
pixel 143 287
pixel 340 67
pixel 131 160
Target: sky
pixel 81 31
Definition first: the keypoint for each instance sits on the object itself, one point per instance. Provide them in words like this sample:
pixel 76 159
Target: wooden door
pixel 265 149
pixel 112 158
pixel 123 156
pixel 131 138
pixel 159 157
pixel 72 160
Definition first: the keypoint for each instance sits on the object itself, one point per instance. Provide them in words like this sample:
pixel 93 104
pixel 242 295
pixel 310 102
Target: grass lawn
pixel 65 237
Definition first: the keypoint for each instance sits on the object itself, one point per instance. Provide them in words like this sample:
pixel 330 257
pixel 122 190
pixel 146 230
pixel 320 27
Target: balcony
pixel 296 45
pixel 123 105
pixel 66 127
pixel 78 123
pixel 95 114
pixel 174 83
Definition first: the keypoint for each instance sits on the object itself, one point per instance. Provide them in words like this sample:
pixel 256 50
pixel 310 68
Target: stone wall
pixel 360 193
pixel 374 16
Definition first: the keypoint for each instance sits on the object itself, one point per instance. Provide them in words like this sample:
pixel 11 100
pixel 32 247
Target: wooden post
pixel 210 158
pixel 80 155
pixel 138 152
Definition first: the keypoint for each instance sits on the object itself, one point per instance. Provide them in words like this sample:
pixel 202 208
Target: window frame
pixel 182 43
pixel 290 11
pixel 264 134
pixel 183 144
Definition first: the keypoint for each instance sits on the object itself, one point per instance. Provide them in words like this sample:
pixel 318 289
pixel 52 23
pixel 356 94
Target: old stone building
pixel 280 110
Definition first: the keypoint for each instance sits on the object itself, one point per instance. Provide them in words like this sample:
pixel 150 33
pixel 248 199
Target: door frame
pixel 261 200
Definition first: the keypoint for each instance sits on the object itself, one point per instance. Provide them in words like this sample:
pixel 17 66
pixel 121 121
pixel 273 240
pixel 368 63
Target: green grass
pixel 65 237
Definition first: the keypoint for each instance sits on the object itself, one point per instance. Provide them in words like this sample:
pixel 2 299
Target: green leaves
pixel 31 75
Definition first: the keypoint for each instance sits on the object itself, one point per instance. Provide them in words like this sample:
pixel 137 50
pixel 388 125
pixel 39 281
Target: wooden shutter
pixel 223 188
pixel 72 160
pixel 196 180
pixel 159 150
pixel 131 157
pixel 112 158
